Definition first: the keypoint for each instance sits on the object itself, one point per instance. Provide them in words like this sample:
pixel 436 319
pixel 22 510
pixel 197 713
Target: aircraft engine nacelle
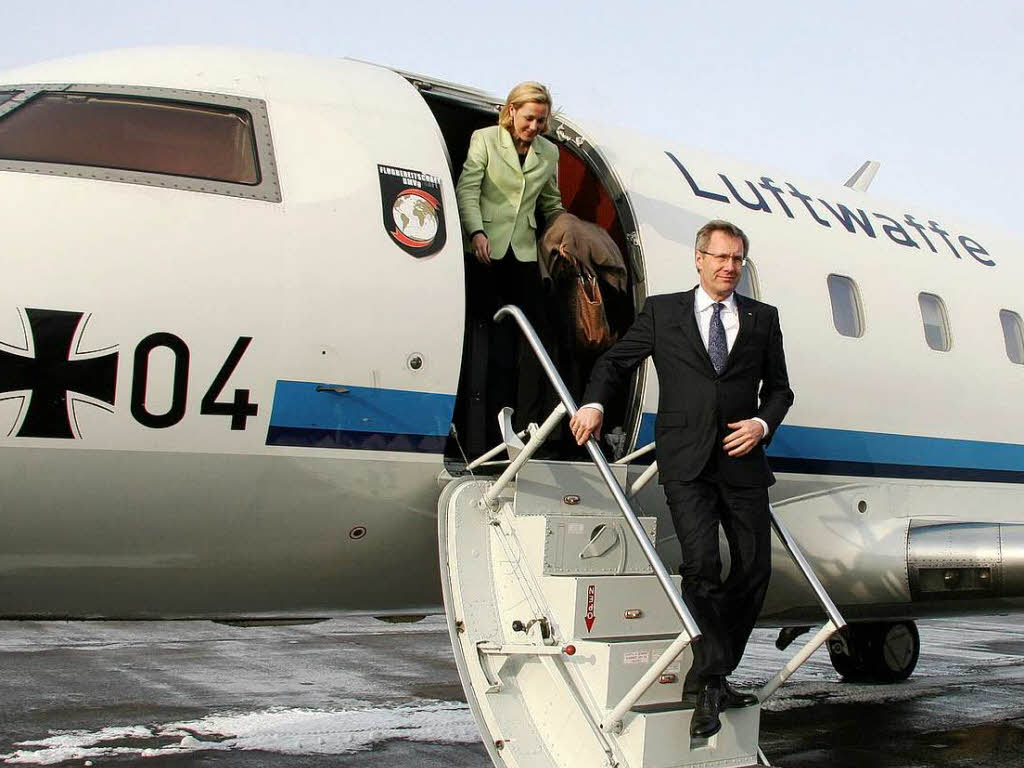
pixel 963 560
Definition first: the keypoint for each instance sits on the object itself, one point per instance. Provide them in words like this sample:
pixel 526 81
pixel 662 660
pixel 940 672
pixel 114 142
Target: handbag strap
pixel 588 286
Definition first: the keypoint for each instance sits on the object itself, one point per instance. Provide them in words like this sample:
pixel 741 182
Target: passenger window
pixel 748 285
pixel 5 96
pixel 133 134
pixel 847 315
pixel 936 322
pixel 1013 335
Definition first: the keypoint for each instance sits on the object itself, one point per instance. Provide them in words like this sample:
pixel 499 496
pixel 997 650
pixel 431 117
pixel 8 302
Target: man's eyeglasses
pixel 721 258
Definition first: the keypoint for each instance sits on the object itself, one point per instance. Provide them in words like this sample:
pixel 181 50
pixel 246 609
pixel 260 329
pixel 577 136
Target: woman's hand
pixel 482 248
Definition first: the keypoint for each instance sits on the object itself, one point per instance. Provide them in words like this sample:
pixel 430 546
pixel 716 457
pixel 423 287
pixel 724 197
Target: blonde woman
pixel 510 173
pixel 510 162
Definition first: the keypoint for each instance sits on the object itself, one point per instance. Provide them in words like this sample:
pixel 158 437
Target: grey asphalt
pixel 359 692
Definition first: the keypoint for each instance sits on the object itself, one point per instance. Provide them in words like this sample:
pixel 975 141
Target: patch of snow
pixel 287 731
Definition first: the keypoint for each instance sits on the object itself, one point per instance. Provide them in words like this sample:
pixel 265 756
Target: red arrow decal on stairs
pixel 589 618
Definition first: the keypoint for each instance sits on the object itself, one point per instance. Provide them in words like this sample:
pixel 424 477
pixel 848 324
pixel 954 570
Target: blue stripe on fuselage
pixel 366 418
pixel 817 450
pixel 363 418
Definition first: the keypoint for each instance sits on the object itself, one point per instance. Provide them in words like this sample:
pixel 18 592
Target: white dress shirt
pixel 703 310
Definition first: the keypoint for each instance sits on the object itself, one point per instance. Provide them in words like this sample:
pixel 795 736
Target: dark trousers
pixel 514 377
pixel 725 610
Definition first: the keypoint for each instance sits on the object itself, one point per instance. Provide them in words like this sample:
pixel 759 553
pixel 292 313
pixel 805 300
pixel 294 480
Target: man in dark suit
pixel 724 391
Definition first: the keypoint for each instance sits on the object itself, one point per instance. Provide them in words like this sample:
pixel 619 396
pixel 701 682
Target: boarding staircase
pixel 571 639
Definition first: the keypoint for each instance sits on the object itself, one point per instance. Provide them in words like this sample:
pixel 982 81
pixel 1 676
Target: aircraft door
pixel 389 283
pixel 592 191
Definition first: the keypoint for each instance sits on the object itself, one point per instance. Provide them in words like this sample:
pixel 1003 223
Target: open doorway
pixel 587 196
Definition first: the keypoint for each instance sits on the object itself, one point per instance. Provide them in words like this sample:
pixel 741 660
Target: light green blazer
pixel 497 196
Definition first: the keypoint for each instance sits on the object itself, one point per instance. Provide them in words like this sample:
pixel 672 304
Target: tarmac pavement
pixel 359 692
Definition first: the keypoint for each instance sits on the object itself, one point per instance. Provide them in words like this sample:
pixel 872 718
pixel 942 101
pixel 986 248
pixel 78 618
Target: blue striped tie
pixel 718 349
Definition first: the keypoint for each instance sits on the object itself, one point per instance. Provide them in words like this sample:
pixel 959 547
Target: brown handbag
pixel 592 331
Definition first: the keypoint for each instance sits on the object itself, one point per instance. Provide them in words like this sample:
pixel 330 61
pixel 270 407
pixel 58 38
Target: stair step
pixel 668 706
pixel 611 668
pixel 605 607
pixel 545 568
pixel 558 488
pixel 659 737
pixel 583 545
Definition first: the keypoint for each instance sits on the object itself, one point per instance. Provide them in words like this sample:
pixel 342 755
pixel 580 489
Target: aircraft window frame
pixel 940 307
pixel 570 138
pixel 855 313
pixel 749 276
pixel 566 134
pixel 268 189
pixel 1013 339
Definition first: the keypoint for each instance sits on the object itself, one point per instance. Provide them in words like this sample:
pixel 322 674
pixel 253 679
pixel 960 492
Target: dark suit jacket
pixel 695 404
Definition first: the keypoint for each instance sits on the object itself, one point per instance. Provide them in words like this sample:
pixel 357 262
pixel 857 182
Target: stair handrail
pixel 485 457
pixel 674 597
pixel 797 555
pixel 835 619
pixel 792 548
pixel 642 451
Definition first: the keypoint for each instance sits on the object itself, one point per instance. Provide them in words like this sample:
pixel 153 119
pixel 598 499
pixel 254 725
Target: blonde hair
pixel 529 92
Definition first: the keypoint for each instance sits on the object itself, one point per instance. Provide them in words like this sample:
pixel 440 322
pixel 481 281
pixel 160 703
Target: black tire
pixel 879 652
pixel 845 652
pixel 896 647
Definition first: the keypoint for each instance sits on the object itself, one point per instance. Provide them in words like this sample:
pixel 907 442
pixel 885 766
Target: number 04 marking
pixel 239 409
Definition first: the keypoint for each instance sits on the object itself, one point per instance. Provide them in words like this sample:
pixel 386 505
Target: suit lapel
pixel 507 150
pixel 532 158
pixel 688 323
pixel 748 319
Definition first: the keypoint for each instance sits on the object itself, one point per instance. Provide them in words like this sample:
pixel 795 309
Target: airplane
pixel 233 330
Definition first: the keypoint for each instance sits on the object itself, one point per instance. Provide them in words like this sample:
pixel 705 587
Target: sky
pixel 932 90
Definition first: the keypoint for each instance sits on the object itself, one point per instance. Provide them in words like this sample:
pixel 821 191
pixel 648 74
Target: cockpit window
pixel 195 141
pixel 133 134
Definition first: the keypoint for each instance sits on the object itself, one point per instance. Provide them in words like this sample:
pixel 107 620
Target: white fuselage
pixel 312 488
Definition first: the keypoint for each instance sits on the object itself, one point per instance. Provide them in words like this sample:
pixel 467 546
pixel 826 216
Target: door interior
pixel 589 191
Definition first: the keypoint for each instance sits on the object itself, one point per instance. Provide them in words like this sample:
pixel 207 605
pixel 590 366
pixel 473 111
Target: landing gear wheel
pixel 842 652
pixel 880 652
pixel 898 646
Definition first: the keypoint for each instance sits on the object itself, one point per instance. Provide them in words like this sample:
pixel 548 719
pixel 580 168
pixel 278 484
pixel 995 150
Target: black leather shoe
pixel 705 721
pixel 733 699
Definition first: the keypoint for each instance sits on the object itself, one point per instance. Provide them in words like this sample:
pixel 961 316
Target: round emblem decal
pixel 412 208
pixel 415 216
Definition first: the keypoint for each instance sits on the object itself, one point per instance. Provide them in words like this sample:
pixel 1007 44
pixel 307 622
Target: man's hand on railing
pixel 586 423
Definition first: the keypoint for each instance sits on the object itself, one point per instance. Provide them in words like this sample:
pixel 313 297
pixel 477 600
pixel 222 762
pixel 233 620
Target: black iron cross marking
pixel 51 375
